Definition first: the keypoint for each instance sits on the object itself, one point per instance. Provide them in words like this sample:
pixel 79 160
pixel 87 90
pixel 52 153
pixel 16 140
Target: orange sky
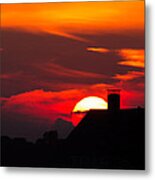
pixel 67 19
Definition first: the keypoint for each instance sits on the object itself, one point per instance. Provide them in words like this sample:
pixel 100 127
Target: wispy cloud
pixel 129 76
pixel 98 49
pixel 8 76
pixel 67 72
pixel 129 57
pixel 132 57
pixel 67 35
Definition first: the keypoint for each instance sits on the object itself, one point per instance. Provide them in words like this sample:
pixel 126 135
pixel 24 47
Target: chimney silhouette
pixel 113 99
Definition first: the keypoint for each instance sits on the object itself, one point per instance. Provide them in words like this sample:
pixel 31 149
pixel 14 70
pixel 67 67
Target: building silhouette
pixel 113 137
pixel 107 139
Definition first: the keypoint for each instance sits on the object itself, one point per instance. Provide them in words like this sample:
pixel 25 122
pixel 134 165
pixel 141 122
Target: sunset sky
pixel 55 54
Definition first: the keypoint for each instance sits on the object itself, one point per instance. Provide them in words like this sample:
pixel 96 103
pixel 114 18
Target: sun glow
pixel 91 102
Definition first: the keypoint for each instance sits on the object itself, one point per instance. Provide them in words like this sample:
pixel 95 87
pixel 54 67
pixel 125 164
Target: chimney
pixel 113 99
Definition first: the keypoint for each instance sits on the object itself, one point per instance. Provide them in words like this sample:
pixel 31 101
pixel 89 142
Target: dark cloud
pixel 127 39
pixel 27 59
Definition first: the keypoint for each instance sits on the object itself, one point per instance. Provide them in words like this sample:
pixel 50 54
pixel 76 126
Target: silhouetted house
pixel 113 137
pixel 50 137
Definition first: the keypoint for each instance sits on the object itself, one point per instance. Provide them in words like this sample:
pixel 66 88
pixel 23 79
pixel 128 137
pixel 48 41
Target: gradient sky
pixel 55 54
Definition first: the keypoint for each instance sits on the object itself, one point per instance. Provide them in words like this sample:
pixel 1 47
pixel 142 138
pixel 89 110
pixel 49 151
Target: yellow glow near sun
pixel 91 102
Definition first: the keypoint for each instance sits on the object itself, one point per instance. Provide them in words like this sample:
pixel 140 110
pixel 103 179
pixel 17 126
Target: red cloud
pixel 39 103
pixel 50 105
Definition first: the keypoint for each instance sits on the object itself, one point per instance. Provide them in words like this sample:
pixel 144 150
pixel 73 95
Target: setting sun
pixel 91 102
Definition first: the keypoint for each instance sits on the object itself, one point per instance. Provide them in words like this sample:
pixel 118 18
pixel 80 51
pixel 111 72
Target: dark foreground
pixel 103 139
